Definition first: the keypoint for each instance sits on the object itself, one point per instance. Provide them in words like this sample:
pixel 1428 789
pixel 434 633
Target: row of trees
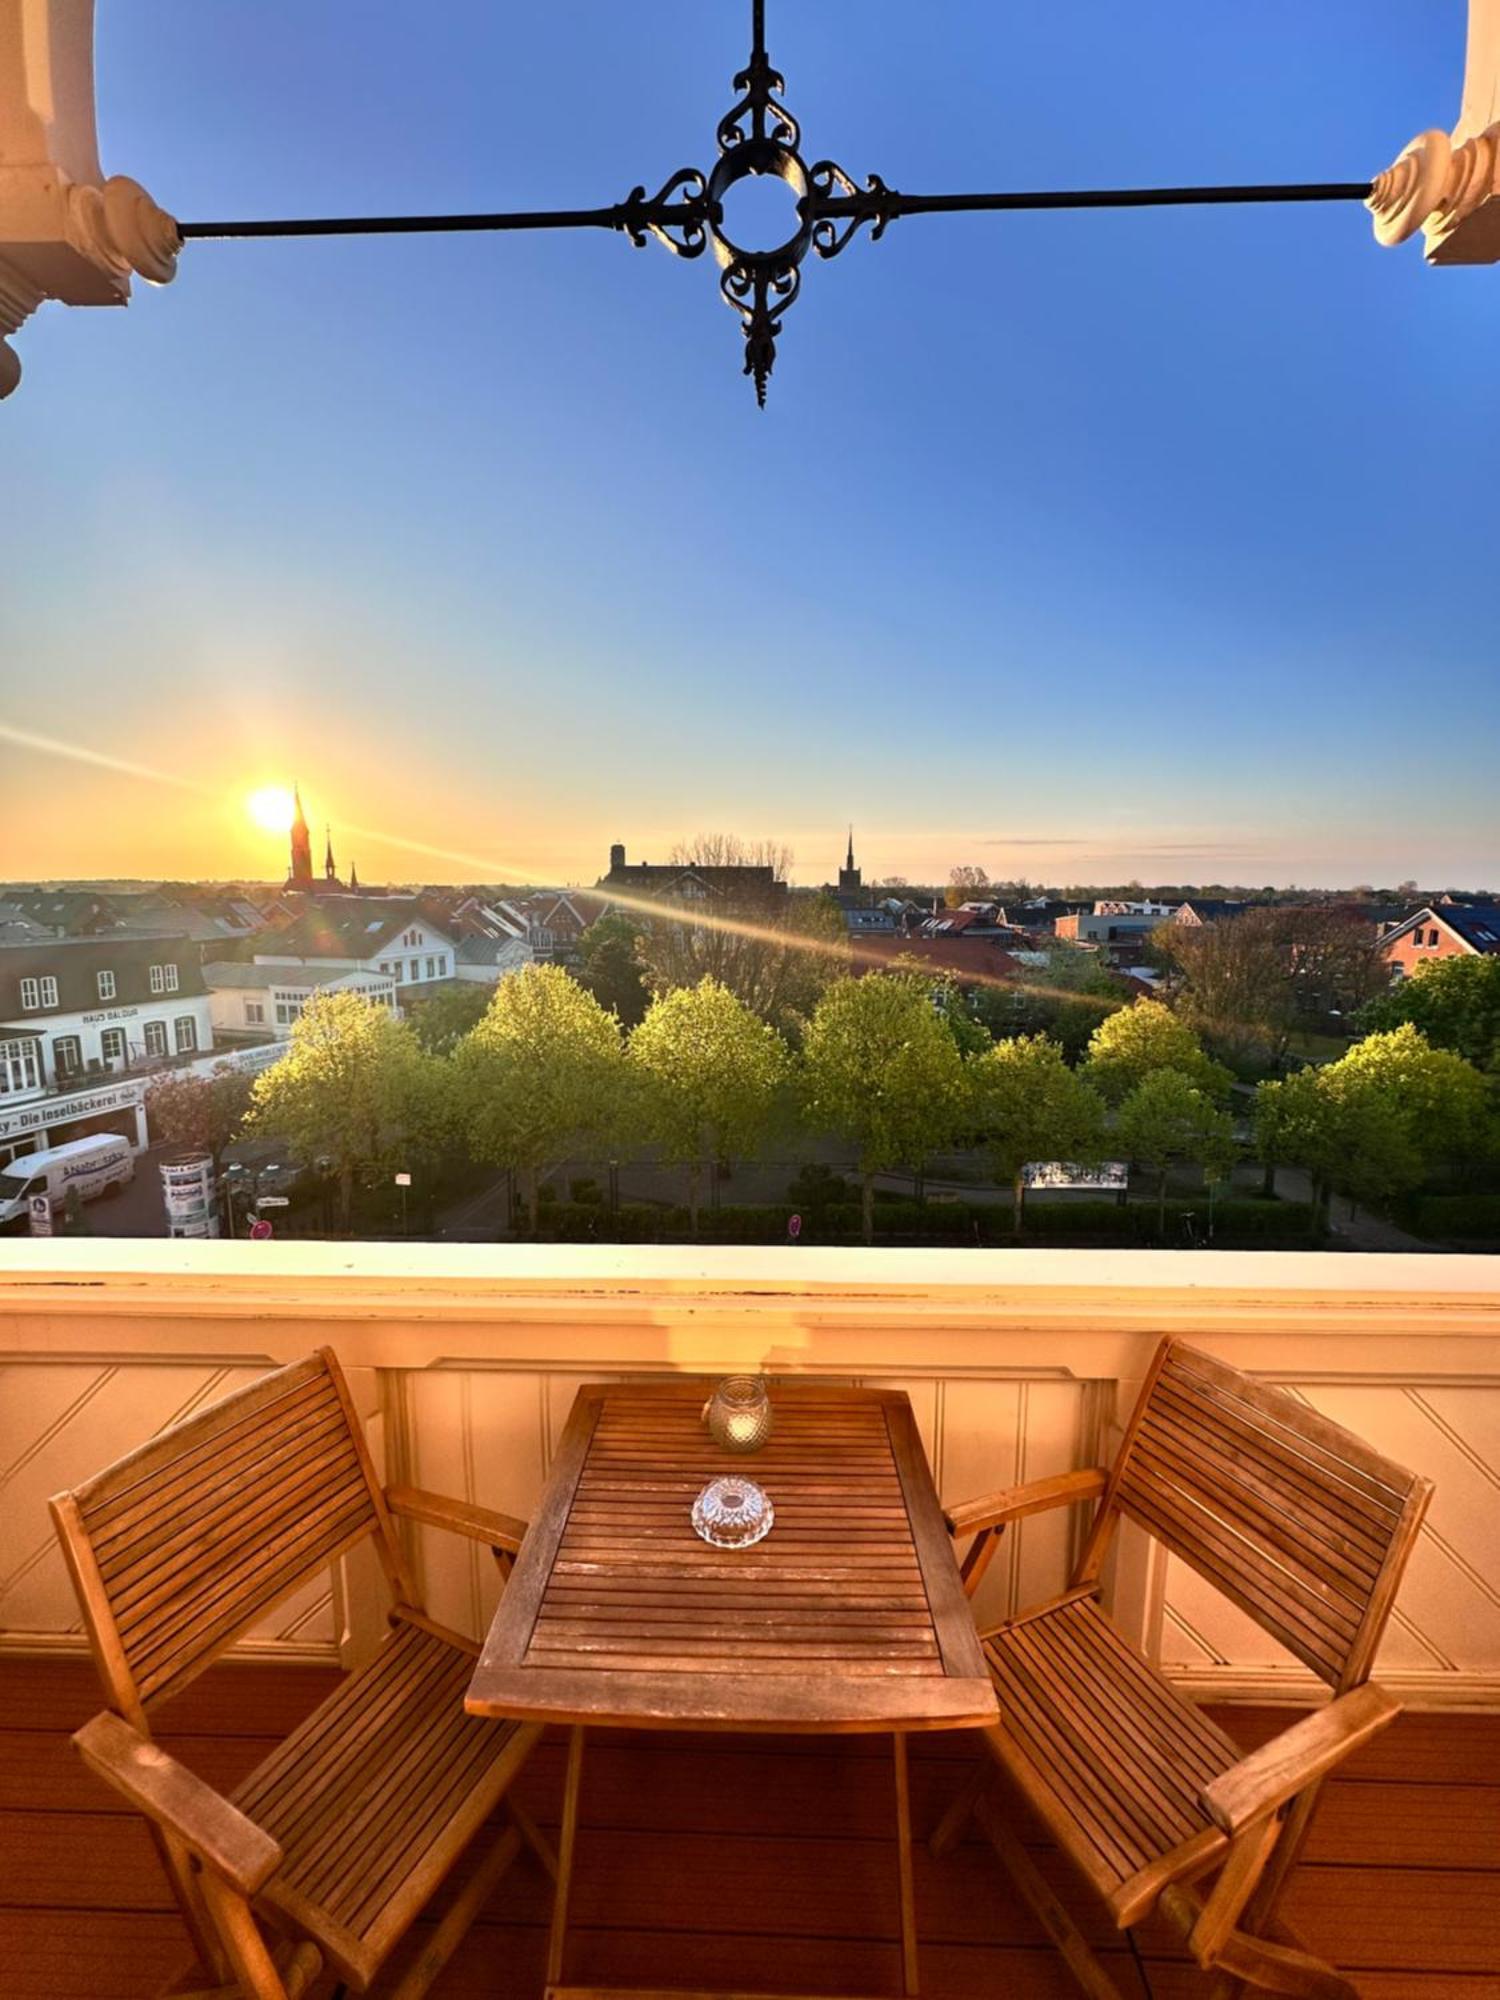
pixel 548 1074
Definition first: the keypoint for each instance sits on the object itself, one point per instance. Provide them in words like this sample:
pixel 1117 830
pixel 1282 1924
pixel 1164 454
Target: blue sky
pixel 1080 546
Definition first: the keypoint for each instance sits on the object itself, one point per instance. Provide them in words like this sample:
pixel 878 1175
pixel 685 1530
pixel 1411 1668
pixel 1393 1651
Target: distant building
pixel 389 939
pixel 1207 910
pixel 84 1024
pixel 300 879
pixel 967 960
pixel 250 1002
pixel 687 882
pixel 849 891
pixel 1441 930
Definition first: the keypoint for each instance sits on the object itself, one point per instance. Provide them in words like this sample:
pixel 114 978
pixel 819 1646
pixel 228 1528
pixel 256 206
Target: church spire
pixel 301 875
pixel 353 880
pixel 849 864
pixel 330 872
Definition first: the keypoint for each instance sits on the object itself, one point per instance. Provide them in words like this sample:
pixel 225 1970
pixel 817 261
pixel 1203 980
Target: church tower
pixel 330 872
pixel 851 881
pixel 301 876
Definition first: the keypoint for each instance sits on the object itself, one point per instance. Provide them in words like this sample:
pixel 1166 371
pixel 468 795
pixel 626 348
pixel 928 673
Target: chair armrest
pixel 1011 1503
pixel 1263 1782
pixel 481 1524
pixel 218 1833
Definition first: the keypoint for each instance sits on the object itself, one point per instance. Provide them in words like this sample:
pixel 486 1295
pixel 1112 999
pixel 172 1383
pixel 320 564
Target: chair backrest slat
pixel 198 1534
pixel 1295 1520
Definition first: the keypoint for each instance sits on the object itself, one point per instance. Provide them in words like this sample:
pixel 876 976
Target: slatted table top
pixel 850 1615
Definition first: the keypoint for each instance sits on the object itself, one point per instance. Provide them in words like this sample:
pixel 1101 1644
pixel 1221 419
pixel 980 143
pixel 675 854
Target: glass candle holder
pixel 738 1413
pixel 733 1513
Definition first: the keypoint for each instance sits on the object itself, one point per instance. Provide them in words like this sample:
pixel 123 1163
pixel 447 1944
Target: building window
pixel 38 993
pixel 185 1034
pixel 400 969
pixel 442 965
pixel 432 968
pixel 156 1038
pixel 255 1013
pixel 412 937
pixel 1432 936
pixel 158 979
pixel 288 1011
pixel 106 983
pixel 67 1056
pixel 112 1048
pixel 20 1067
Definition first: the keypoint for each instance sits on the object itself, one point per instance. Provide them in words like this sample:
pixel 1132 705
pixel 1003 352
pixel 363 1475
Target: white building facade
pixel 84 1025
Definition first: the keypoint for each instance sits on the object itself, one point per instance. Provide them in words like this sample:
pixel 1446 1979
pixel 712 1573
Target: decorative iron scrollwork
pixel 873 203
pixel 682 227
pixel 760 290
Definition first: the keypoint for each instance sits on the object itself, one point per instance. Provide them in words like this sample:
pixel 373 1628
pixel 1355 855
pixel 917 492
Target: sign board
pixel 403 1180
pixel 60 1110
pixel 39 1214
pixel 1113 1176
pixel 187 1185
pixel 261 1230
pixel 273 1201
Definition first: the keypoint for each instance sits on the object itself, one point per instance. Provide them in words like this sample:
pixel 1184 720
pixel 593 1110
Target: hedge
pixel 1456 1215
pixel 1236 1223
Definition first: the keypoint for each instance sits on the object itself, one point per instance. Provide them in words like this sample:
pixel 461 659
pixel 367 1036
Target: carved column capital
pixel 1448 184
pixel 66 232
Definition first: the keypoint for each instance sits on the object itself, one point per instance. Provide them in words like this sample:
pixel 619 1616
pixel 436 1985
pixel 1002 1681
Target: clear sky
pixel 1080 546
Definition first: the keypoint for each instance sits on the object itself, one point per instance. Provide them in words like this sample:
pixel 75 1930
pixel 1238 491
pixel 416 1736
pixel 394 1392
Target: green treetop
pixel 712 1069
pixel 541 1077
pixel 882 1071
pixel 1456 1004
pixel 355 1087
pixel 1138 1041
pixel 1166 1118
pixel 1028 1105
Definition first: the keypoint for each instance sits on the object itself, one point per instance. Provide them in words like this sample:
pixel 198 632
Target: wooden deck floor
pixel 743 1862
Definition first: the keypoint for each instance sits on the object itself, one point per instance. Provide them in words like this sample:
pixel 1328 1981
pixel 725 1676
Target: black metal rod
pixel 890 203
pixel 866 205
pixel 413 225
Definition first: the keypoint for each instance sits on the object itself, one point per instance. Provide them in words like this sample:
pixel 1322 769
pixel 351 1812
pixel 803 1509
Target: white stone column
pixel 66 232
pixel 1448 184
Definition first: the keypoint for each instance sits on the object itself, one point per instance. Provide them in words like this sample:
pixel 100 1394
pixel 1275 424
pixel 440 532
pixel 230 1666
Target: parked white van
pixel 95 1166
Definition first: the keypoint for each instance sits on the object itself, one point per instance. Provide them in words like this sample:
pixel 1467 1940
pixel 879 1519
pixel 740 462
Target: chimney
pixel 617 856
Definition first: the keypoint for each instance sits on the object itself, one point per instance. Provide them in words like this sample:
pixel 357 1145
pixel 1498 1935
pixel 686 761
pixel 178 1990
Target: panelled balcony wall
pixel 465 1361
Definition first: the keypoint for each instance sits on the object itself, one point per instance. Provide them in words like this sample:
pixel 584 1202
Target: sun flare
pixel 272 808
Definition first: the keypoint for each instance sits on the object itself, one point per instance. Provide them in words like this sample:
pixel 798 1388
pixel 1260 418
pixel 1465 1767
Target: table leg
pixel 567 1841
pixel 903 1863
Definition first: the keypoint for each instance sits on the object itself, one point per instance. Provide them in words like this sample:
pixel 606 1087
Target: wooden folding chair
pixel 1308 1531
pixel 334 1845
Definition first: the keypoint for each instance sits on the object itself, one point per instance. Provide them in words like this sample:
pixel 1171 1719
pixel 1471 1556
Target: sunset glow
pixel 272 808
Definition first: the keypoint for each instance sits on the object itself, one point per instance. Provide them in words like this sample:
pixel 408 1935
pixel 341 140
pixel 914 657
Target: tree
pixel 1064 998
pixel 609 965
pixel 1376 1122
pixel 354 1086
pixel 441 1023
pixel 1455 1002
pixel 1028 1105
pixel 1168 1117
pixel 204 1112
pixel 881 1070
pixel 775 951
pixel 965 883
pixel 1136 1042
pixel 712 1070
pixel 541 1077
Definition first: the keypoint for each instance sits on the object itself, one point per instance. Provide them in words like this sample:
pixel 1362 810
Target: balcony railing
pixel 1019 1363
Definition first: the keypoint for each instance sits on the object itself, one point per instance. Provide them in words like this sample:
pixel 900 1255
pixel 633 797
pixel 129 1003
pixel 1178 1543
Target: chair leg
pixel 1261 1963
pixel 954 1823
pixel 460 1914
pixel 1078 1955
pixel 534 1838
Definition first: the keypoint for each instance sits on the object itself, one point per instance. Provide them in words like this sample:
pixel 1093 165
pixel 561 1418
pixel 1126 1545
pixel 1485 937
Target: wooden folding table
pixel 849 1616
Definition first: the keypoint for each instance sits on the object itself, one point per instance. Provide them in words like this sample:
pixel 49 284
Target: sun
pixel 272 808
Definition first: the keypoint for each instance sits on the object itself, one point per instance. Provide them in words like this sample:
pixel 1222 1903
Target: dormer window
pixel 106 984
pixel 164 979
pixel 40 992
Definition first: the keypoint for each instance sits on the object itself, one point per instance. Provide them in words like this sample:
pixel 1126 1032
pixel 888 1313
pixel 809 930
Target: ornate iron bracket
pixel 759 136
